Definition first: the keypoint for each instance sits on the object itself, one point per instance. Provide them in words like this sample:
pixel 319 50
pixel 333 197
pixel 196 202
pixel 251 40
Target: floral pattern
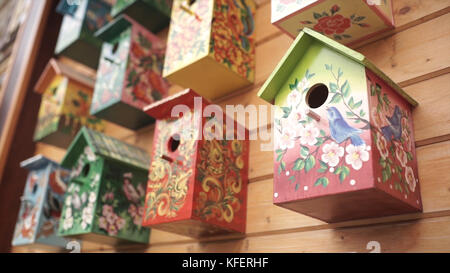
pixel 395 149
pixel 320 151
pixel 65 108
pixel 168 183
pixel 334 24
pixel 222 174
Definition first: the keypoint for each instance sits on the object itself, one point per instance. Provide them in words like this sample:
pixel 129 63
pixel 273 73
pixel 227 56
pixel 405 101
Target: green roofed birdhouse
pixel 152 14
pixel 129 75
pixel 40 209
pixel 348 22
pixel 76 38
pixel 105 198
pixel 344 139
pixel 66 98
pixel 210 47
pixel 198 180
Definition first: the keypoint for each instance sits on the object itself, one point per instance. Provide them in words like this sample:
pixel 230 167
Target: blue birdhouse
pixel 41 204
pixel 344 139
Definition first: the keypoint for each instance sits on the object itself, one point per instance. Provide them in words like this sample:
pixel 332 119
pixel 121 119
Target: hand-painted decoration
pixel 344 143
pixel 347 22
pixel 210 46
pixel 129 74
pixel 105 198
pixel 197 185
pixel 76 36
pixel 152 14
pixel 40 210
pixel 66 98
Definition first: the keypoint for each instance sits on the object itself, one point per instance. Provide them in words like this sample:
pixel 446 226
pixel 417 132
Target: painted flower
pixel 294 98
pixel 68 212
pixel 92 197
pixel 68 223
pixel 90 155
pixel 401 154
pixel 112 230
pixel 68 200
pixel 333 24
pixel 120 222
pixel 382 146
pixel 407 140
pixel 287 139
pixel 102 223
pixel 410 179
pixel 376 117
pixel 356 155
pixel 302 85
pixel 308 135
pixel 107 210
pixel 87 216
pixel 132 210
pixel 331 153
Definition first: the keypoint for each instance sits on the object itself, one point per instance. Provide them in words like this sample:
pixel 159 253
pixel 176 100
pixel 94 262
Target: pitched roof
pixel 273 84
pixel 105 146
pixel 54 68
pixel 36 162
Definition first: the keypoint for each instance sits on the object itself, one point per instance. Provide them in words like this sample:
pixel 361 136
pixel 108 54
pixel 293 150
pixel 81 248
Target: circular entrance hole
pixel 174 142
pixel 317 95
pixel 85 170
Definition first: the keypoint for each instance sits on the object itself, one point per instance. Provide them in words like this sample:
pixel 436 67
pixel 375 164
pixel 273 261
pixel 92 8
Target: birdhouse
pixel 66 98
pixel 198 179
pixel 347 22
pixel 344 139
pixel 129 74
pixel 41 204
pixel 152 14
pixel 76 38
pixel 210 47
pixel 105 197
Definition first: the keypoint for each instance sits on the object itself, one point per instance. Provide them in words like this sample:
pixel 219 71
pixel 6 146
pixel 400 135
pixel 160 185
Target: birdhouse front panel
pixel 197 187
pixel 76 38
pixel 347 22
pixel 327 134
pixel 41 205
pixel 129 75
pixel 105 198
pixel 152 14
pixel 392 133
pixel 64 110
pixel 214 40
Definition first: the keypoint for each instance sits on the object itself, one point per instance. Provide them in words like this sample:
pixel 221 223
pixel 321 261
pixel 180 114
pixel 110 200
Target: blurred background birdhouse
pixel 211 46
pixel 66 98
pixel 344 142
pixel 197 185
pixel 76 38
pixel 105 197
pixel 347 22
pixel 41 204
pixel 152 14
pixel 129 75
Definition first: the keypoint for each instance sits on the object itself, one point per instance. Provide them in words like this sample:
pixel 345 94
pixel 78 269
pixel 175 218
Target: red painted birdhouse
pixel 344 138
pixel 197 180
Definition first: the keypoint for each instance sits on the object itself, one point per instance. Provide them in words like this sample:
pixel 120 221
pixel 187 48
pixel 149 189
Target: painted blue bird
pixel 394 129
pixel 340 130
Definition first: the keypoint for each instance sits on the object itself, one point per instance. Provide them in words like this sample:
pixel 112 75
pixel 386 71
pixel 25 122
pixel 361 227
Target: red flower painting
pixel 333 24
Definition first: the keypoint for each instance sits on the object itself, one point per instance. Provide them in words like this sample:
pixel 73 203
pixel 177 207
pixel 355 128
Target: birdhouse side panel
pixel 71 27
pixel 394 154
pixel 344 21
pixel 144 83
pixel 121 203
pixel 51 107
pixel 33 196
pixel 111 72
pixel 172 172
pixel 58 179
pixel 329 151
pixel 283 8
pixel 221 183
pixel 232 36
pixel 75 111
pixel 81 198
pixel 189 35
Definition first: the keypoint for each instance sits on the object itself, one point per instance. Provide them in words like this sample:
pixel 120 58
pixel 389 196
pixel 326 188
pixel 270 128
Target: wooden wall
pixel 416 56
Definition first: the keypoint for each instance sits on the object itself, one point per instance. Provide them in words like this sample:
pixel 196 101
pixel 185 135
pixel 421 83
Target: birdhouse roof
pixel 54 68
pixel 107 147
pixel 113 29
pixel 36 162
pixel 163 108
pixel 278 77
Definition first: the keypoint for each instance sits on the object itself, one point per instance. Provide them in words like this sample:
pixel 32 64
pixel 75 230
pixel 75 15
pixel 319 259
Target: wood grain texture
pixel 415 56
